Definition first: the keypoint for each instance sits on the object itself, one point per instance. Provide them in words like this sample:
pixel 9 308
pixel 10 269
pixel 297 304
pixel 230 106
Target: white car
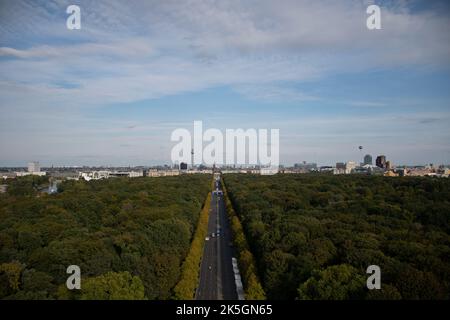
pixel 207 238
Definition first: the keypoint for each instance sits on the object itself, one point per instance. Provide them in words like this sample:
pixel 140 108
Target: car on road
pixel 207 238
pixel 213 234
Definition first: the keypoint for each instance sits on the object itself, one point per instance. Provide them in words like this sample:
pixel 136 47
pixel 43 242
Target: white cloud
pixel 151 49
pixel 274 93
pixel 138 50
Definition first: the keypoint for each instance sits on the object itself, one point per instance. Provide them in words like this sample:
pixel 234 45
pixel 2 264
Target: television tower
pixel 192 158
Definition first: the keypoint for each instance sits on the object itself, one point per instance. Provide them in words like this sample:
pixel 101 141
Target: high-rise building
pixel 340 168
pixel 34 167
pixel 340 165
pixel 388 165
pixel 381 161
pixel 183 166
pixel 368 159
pixel 350 166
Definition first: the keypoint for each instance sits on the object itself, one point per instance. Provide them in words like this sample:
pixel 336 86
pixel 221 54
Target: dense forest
pixel 313 236
pixel 128 236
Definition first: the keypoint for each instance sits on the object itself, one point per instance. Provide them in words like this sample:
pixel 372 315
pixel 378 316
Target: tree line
pixel 129 236
pixel 190 273
pixel 247 268
pixel 314 235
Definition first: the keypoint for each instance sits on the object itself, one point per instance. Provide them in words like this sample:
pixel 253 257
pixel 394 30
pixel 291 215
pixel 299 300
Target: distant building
pixel 8 175
pixel 445 172
pixel 381 161
pixel 94 175
pixel 367 159
pixel 34 167
pixel 25 173
pixel 388 165
pixel 162 173
pixel 374 170
pixel 345 168
pixel 402 172
pixel 419 172
pixel 340 165
pixel 267 171
pixel 183 166
pixel 106 174
pixel 350 166
pixel 305 166
pixel 135 174
pixel 390 174
pixel 340 168
pixel 362 170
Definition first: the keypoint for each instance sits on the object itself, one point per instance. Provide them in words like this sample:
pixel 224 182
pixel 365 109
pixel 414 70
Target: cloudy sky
pixel 112 92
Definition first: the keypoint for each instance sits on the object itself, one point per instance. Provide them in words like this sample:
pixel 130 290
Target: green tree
pixel 339 282
pixel 12 272
pixel 387 292
pixel 112 286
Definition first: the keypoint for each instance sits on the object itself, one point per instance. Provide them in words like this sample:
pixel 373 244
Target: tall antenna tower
pixel 192 158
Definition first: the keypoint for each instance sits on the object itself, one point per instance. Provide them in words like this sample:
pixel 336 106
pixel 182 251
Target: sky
pixel 112 92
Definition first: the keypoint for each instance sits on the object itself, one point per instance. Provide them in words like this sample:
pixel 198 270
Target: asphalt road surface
pixel 216 271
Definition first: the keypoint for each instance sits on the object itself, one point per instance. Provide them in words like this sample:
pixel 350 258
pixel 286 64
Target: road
pixel 216 271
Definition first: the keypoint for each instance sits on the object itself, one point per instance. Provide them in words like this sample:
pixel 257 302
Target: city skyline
pixel 237 165
pixel 112 92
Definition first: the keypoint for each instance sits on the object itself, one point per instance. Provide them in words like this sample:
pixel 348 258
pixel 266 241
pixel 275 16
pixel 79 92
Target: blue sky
pixel 112 92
